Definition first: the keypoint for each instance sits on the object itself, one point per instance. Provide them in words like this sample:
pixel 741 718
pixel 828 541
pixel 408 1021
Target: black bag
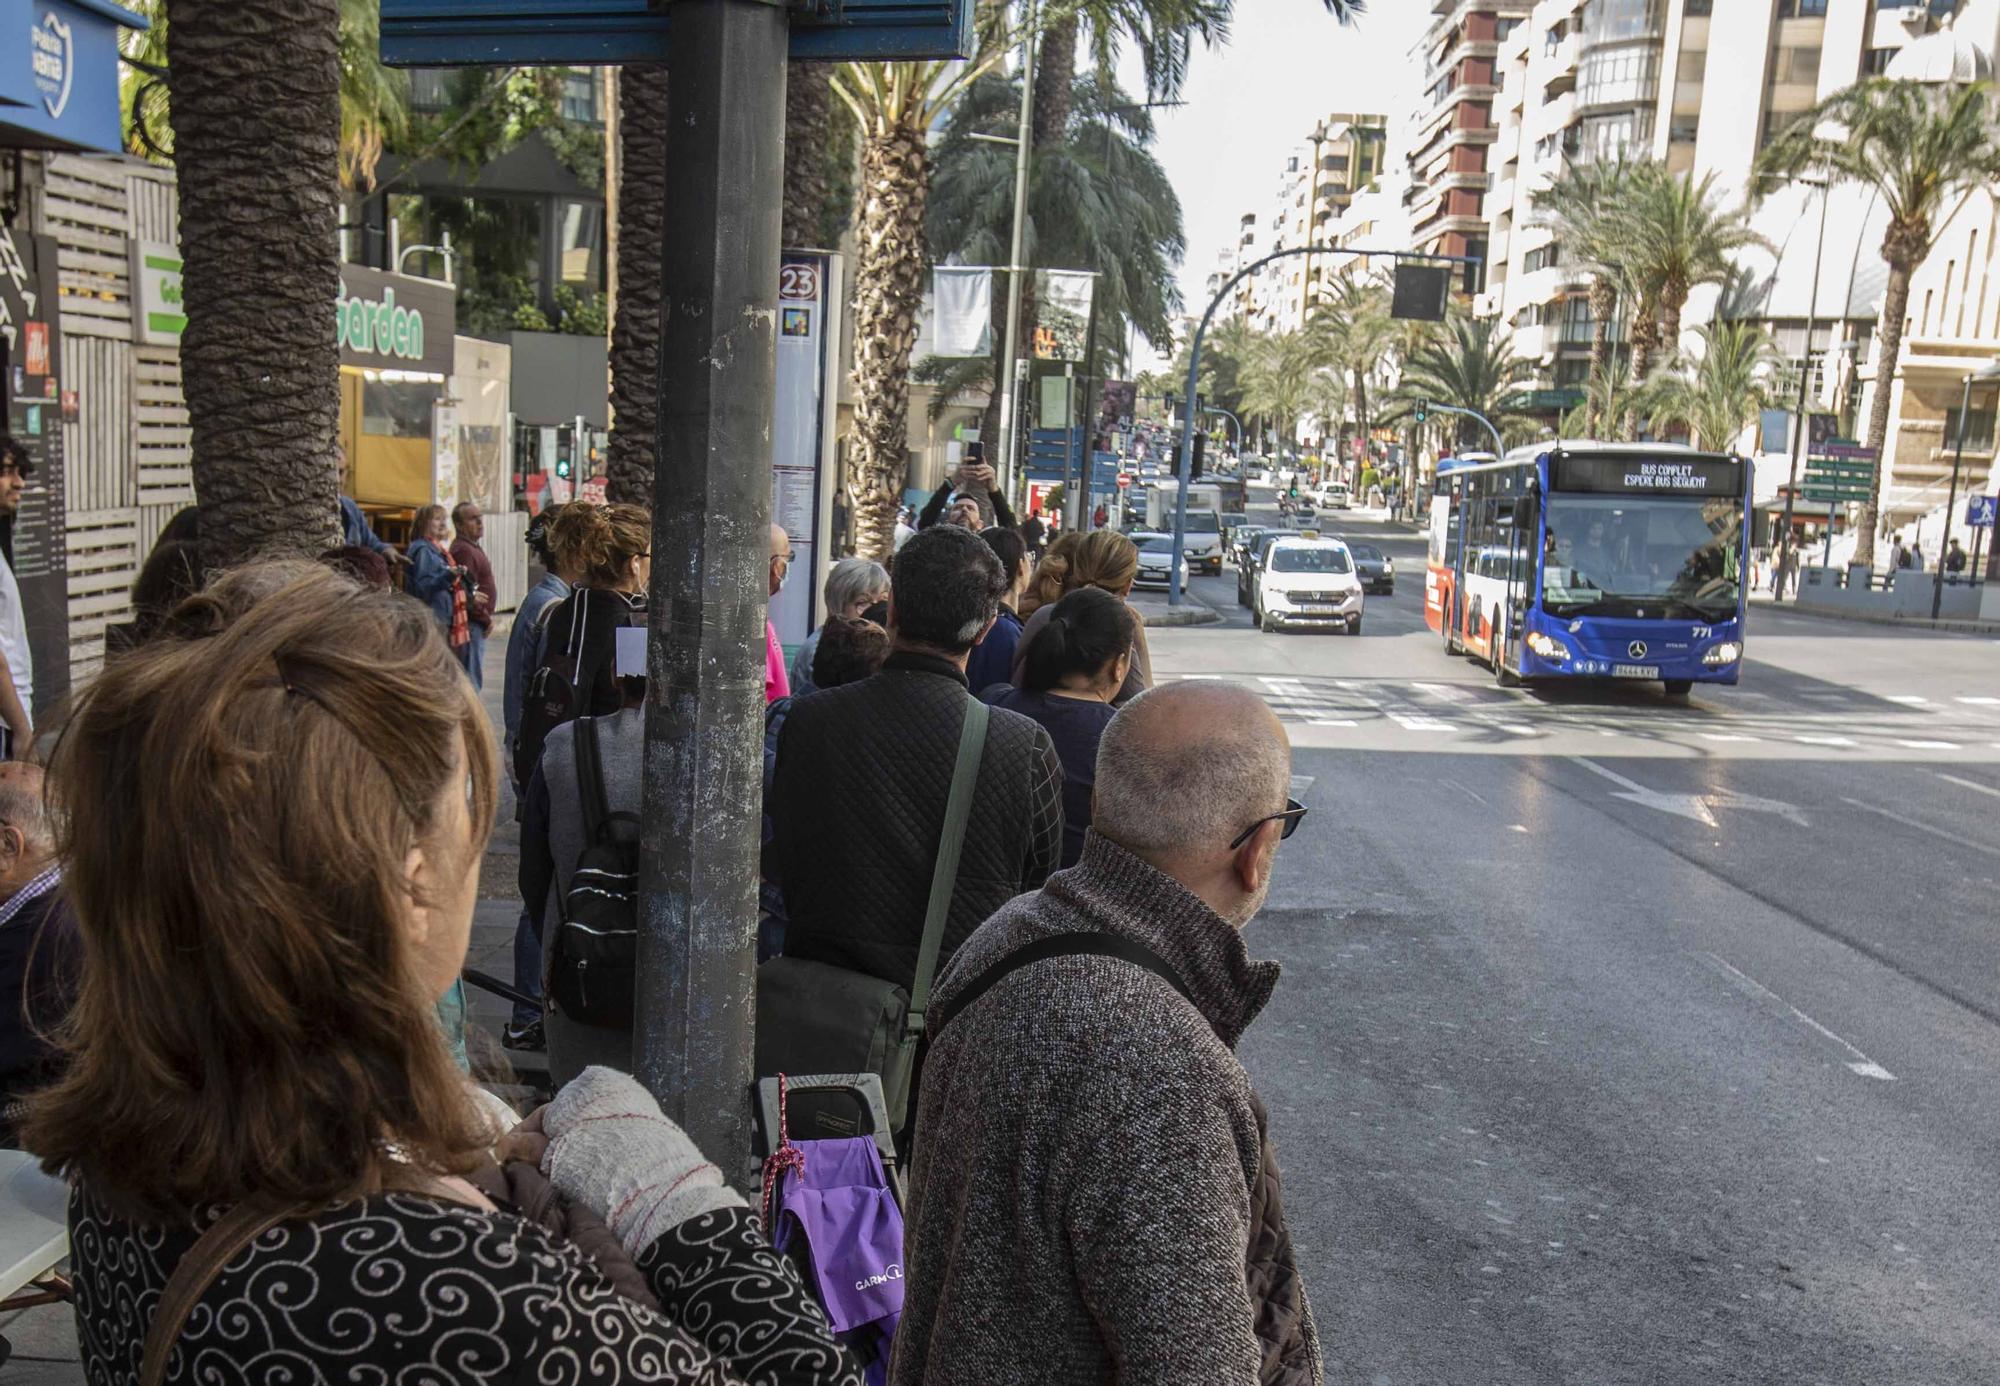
pixel 816 1018
pixel 577 658
pixel 594 963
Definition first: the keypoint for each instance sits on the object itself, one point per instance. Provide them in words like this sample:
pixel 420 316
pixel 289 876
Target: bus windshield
pixel 1668 557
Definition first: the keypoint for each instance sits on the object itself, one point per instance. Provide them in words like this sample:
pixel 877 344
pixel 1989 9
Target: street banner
pixel 962 299
pixel 1063 299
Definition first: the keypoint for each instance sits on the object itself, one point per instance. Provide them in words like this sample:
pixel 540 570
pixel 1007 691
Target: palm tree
pixel 1677 237
pixel 635 327
pixel 895 105
pixel 1096 198
pixel 1472 367
pixel 1356 333
pixel 1278 381
pixel 374 100
pixel 1608 396
pixel 1718 393
pixel 259 205
pixel 1581 204
pixel 1922 147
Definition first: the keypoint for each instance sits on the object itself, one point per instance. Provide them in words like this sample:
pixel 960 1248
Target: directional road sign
pixel 1850 452
pixel 1979 511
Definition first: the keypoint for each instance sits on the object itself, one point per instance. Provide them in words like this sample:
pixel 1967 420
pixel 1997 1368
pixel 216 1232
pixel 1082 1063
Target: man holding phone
pixel 973 478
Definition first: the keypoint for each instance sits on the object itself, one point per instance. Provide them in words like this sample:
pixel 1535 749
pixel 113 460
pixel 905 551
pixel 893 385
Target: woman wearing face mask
pixel 272 1157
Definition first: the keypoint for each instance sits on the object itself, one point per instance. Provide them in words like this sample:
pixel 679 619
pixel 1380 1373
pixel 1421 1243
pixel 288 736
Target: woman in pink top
pixel 776 683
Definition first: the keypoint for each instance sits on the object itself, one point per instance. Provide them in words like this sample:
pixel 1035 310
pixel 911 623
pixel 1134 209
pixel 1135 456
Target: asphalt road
pixel 1626 1041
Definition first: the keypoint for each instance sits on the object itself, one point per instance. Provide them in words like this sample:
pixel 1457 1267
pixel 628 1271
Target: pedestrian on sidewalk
pixel 39 954
pixel 776 684
pixel 1074 669
pixel 993 661
pixel 1107 559
pixel 863 773
pixel 483 596
pixel 436 580
pixel 852 586
pixel 17 662
pixel 1954 559
pixel 315 1131
pixel 611 549
pixel 1095 1195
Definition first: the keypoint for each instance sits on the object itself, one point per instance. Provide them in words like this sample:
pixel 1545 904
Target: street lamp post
pixel 1177 559
pixel 1786 538
pixel 1987 374
pixel 1023 158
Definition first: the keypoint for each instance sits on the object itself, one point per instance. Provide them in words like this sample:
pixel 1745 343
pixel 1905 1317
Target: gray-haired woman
pixel 853 585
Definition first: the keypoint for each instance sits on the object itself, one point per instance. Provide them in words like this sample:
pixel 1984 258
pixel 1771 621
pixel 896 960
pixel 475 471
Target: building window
pixel 1978 429
pixel 1796 67
pixel 1801 9
pixel 1876 64
pixel 1698 9
pixel 397 408
pixel 1684 129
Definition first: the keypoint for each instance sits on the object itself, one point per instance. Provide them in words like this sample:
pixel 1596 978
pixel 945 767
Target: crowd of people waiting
pixel 279 1163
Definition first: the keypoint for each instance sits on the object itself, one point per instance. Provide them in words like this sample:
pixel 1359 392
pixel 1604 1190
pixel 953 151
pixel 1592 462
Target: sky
pixel 1287 64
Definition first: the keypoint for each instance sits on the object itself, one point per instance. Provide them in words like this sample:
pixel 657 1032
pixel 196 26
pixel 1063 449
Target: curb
pixel 1196 613
pixel 1868 618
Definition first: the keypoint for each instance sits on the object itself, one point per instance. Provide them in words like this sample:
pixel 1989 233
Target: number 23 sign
pixel 798 282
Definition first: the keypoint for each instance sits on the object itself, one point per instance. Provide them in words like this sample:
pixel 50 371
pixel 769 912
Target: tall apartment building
pixel 1341 158
pixel 1451 129
pixel 1701 85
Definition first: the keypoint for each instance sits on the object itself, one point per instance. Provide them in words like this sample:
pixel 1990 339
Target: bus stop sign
pixel 517 33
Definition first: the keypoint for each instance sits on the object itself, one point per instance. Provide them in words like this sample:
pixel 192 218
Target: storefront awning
pixel 59 74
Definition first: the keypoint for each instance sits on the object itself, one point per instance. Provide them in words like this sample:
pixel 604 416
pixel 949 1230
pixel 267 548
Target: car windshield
pixel 1675 558
pixel 1313 560
pixel 1204 522
pixel 1155 543
pixel 1367 553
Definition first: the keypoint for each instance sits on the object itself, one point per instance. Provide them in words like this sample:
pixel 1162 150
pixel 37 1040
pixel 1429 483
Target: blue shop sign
pixel 59 73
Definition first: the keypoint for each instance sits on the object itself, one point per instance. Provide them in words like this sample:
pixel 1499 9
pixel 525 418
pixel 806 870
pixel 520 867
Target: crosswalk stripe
pixel 1930 745
pixel 1908 699
pixel 1826 741
pixel 1324 723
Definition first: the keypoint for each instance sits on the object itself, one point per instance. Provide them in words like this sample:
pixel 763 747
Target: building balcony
pixel 1461 182
pixel 1555 115
pixel 1559 63
pixel 1462 224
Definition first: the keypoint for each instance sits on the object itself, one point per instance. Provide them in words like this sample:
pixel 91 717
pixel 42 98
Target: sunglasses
pixel 1293 814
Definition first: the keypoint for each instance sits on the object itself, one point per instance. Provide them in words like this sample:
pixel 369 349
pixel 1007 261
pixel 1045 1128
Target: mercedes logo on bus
pixel 1637 649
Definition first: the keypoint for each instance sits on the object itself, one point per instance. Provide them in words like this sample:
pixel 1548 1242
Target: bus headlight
pixel 1728 652
pixel 1547 646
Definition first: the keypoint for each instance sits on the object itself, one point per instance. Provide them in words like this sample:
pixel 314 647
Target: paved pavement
pixel 1626 1041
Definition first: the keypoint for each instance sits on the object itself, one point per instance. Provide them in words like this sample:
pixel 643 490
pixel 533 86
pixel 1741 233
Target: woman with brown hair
pixel 275 816
pixel 610 548
pixel 434 579
pixel 1103 558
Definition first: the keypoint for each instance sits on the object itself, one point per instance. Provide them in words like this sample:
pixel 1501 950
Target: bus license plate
pixel 1634 671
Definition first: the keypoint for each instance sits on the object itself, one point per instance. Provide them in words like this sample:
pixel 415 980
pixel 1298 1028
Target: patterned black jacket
pixel 403 1288
pixel 857 804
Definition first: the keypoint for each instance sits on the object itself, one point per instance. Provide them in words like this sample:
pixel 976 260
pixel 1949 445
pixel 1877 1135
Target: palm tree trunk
pixel 889 291
pixel 260 204
pixel 1645 339
pixel 1673 298
pixel 1888 355
pixel 808 133
pixel 1055 78
pixel 635 332
pixel 1603 305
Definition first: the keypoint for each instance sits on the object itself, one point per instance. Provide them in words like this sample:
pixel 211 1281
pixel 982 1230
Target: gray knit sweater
pixel 1086 1150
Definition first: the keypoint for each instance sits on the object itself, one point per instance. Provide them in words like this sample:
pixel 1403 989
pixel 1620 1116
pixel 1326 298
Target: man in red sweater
pixel 470 524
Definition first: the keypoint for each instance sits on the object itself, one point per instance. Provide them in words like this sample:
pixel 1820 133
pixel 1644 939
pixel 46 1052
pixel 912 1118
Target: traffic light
pixel 1423 410
pixel 1200 447
pixel 565 455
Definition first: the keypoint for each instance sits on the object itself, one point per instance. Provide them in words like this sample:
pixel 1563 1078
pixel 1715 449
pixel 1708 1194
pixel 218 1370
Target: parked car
pixel 1377 569
pixel 1309 584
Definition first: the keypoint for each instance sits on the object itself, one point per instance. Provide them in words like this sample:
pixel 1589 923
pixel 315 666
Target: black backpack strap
pixel 1068 945
pixel 590 779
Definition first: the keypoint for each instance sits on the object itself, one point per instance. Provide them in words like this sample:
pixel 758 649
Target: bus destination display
pixel 1638 474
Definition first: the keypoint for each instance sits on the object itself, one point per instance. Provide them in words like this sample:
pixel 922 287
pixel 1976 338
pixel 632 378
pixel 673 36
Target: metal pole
pixel 1805 377
pixel 1951 503
pixel 1076 499
pixel 1978 534
pixel 1499 450
pixel 1023 159
pixel 711 505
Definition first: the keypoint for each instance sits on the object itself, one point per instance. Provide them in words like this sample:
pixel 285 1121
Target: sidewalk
pixel 1760 600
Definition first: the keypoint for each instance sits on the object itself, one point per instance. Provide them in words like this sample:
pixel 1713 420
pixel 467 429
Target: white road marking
pixel 1725 736
pixel 1908 699
pixel 1336 724
pixel 1858 1062
pixel 1979 702
pixel 1826 741
pixel 1970 784
pixel 1930 745
pixel 1409 723
pixel 1468 793
pixel 1699 807
pixel 1923 827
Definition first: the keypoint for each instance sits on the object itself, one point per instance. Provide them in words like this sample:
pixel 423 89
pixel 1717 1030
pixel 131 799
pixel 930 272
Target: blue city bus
pixel 1594 560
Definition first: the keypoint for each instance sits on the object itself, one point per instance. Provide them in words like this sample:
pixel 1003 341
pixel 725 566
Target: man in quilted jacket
pixel 1095 1192
pixel 863 771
